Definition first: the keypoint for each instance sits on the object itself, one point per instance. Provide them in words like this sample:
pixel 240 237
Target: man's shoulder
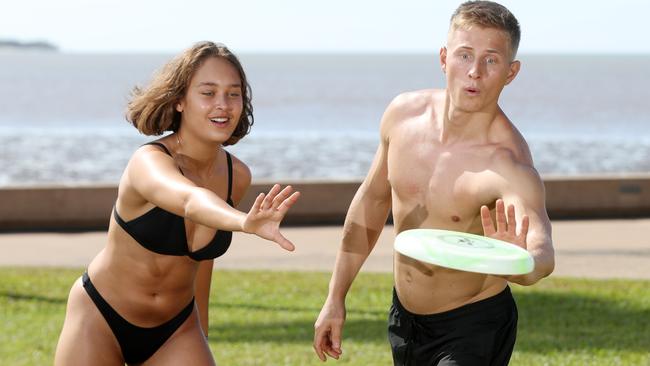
pixel 514 163
pixel 513 145
pixel 406 107
pixel 413 103
pixel 412 100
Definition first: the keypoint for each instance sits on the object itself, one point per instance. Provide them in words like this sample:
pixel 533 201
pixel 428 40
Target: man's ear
pixel 443 59
pixel 515 66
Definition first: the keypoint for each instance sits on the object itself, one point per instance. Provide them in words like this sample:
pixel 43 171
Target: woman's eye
pixel 209 94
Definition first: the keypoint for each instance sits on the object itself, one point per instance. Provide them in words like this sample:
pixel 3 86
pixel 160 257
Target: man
pixel 449 159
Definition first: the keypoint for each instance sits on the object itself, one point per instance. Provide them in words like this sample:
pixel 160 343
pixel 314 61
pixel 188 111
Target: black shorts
pixel 476 334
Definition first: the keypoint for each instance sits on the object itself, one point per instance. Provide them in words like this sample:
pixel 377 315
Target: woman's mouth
pixel 220 120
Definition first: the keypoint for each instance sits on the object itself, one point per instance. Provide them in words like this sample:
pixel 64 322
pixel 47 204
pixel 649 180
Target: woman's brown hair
pixel 152 110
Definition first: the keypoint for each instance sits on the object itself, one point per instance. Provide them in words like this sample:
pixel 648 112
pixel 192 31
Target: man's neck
pixel 461 125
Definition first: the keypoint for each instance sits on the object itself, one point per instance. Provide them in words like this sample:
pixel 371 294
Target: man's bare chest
pixel 445 185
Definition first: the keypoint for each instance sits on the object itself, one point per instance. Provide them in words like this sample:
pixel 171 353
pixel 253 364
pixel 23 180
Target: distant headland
pixel 6 44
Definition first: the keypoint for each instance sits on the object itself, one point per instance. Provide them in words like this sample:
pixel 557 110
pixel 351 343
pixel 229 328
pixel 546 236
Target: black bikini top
pixel 163 232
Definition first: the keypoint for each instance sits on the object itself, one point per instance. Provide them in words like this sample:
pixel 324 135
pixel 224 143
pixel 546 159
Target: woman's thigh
pixel 86 338
pixel 187 346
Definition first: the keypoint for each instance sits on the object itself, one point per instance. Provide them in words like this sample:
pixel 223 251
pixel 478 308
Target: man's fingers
pixel 512 220
pixel 486 221
pixel 502 225
pixel 336 339
pixel 318 348
pixel 525 221
pixel 332 353
pixel 320 342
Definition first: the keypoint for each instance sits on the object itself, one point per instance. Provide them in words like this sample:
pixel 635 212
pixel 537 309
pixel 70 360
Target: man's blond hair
pixel 487 14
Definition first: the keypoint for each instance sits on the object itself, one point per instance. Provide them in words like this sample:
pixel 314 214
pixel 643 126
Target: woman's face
pixel 213 103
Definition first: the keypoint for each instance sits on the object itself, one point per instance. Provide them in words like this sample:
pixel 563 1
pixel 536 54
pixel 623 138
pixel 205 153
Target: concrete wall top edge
pixel 549 178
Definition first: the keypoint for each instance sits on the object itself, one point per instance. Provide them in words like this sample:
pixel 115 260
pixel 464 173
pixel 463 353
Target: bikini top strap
pixel 229 159
pixel 165 149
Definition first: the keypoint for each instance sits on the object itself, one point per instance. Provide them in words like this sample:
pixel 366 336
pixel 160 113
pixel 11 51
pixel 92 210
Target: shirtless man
pixel 449 159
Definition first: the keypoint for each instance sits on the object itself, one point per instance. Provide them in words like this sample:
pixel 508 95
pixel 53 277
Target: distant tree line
pixel 38 45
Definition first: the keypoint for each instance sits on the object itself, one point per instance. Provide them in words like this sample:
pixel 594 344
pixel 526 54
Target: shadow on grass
pixel 561 322
pixel 292 309
pixel 297 331
pixel 547 322
pixel 14 296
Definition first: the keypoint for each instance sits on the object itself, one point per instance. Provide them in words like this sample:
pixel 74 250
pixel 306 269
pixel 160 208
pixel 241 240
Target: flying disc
pixel 463 251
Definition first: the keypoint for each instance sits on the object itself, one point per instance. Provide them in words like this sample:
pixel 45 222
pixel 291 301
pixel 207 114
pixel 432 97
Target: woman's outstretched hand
pixel 267 213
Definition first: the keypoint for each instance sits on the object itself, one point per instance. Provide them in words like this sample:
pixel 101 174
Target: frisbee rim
pixel 510 260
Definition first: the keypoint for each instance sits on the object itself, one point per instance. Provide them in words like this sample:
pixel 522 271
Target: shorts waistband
pixel 496 302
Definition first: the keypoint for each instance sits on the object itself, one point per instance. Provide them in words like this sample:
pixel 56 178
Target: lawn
pixel 266 318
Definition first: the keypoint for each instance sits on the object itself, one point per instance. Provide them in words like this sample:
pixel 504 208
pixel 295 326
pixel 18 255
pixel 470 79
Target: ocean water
pixel 316 116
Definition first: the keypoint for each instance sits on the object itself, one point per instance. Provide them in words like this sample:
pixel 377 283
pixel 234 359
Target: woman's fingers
pixel 284 243
pixel 268 201
pixel 287 203
pixel 258 202
pixel 281 197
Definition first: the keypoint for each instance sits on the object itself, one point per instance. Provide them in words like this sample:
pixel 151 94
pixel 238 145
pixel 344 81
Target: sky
pixel 322 26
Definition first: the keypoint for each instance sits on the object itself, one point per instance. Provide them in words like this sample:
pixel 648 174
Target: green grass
pixel 266 318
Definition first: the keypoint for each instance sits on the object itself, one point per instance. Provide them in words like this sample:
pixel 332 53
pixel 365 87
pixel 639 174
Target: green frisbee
pixel 464 252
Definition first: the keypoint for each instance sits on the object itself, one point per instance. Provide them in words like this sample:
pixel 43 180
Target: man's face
pixel 477 63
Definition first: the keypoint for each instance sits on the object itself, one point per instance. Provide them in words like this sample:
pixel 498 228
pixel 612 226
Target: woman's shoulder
pixel 242 176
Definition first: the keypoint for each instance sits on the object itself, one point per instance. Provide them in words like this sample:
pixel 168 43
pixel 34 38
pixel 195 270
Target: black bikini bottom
pixel 137 343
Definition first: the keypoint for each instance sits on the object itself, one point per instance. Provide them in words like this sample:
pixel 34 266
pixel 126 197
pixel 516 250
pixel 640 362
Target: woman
pixel 173 215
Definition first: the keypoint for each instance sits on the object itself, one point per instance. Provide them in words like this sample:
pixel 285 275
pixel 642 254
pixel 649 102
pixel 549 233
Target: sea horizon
pixel 316 115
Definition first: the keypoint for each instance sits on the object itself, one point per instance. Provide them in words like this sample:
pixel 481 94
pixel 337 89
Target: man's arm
pixel 364 222
pixel 529 198
pixel 526 222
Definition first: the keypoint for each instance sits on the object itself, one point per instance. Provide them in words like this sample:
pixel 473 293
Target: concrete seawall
pixel 322 202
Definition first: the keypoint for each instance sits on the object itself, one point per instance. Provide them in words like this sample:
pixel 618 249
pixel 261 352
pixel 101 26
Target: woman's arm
pixel 241 183
pixel 155 177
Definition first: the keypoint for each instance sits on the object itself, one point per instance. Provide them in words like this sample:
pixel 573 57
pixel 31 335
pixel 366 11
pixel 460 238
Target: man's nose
pixel 475 71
